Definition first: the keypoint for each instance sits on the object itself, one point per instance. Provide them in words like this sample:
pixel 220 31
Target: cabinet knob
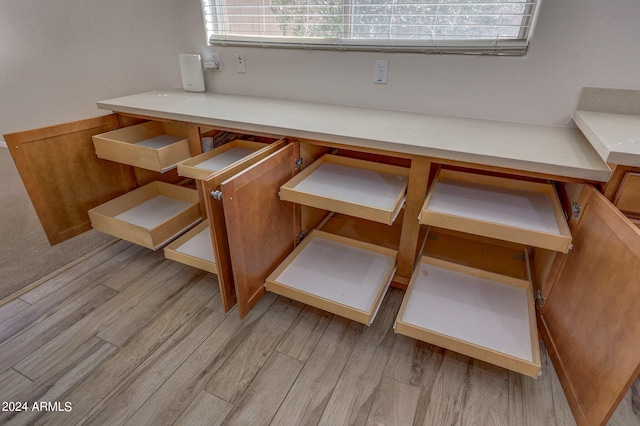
pixel 217 194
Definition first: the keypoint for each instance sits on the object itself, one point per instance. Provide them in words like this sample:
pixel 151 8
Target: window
pixel 430 26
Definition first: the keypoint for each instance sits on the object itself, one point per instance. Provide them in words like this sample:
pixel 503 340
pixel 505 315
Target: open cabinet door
pixel 217 224
pixel 261 229
pixel 63 176
pixel 590 320
pixel 220 243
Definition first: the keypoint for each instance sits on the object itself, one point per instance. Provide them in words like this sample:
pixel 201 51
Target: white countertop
pixel 542 149
pixel 615 136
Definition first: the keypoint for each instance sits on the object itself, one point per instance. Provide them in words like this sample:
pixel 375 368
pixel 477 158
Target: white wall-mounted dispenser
pixel 191 71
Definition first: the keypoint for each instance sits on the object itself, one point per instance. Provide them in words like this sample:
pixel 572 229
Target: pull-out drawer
pixel 152 145
pixel 485 315
pixel 203 165
pixel 506 209
pixel 337 274
pixel 150 216
pixel 194 248
pixel 350 186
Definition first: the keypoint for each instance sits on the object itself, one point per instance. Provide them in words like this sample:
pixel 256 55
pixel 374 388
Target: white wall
pixel 58 57
pixel 576 43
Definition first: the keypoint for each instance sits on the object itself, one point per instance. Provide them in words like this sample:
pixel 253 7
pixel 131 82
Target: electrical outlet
pixel 381 68
pixel 241 65
pixel 212 60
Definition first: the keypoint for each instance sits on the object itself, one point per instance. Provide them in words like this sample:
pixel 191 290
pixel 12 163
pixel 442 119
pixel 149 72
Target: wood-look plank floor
pixel 126 337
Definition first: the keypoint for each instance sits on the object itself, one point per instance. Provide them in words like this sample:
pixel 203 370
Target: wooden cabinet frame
pixel 588 320
pixel 416 193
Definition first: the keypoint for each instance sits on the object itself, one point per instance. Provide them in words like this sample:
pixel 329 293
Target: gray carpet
pixel 25 253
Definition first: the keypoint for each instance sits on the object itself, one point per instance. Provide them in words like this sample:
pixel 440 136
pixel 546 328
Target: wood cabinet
pixel 254 221
pixel 262 232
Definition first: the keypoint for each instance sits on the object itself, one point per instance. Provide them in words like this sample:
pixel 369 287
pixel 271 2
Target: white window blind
pixel 430 26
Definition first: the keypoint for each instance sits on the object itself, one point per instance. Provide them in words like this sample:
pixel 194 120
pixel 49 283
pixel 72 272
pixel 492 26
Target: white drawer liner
pixel 199 246
pixel 354 185
pixel 225 159
pixel 522 209
pixel 471 309
pixel 153 212
pixel 338 272
pixel 160 141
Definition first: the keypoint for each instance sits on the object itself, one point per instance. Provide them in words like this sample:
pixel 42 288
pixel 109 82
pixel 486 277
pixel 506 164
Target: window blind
pixel 430 26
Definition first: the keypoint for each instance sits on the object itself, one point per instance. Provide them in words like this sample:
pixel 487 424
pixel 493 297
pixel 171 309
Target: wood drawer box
pixel 350 186
pixel 152 145
pixel 486 315
pixel 627 197
pixel 337 274
pixel 149 216
pixel 203 165
pixel 194 248
pixel 506 209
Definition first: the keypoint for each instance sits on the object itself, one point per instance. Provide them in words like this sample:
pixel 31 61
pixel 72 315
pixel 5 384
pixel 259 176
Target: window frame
pixel 497 47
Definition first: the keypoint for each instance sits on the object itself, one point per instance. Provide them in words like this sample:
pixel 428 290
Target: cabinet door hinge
pixel 217 194
pixel 298 162
pixel 540 298
pixel 300 237
pixel 576 209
